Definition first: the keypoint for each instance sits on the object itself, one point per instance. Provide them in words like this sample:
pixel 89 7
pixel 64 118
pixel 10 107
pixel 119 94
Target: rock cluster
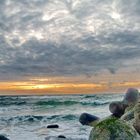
pixel 113 129
pixel 123 124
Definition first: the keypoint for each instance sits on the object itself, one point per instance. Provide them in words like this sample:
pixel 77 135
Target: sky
pixel 69 46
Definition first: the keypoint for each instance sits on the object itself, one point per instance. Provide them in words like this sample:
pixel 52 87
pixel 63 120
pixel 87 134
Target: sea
pixel 27 117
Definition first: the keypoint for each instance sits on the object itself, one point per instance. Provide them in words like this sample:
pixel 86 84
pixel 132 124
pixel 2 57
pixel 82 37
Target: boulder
pixel 136 121
pixel 88 119
pixel 113 128
pixel 123 124
pixel 131 96
pixel 117 108
pixel 128 115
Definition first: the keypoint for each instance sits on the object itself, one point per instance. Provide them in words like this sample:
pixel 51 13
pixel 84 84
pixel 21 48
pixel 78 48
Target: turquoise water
pixel 27 117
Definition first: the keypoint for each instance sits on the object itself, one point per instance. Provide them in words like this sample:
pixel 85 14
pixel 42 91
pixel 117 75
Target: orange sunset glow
pixel 68 85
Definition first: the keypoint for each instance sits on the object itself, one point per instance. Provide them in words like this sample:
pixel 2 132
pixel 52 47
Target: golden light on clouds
pixel 102 83
pixel 40 86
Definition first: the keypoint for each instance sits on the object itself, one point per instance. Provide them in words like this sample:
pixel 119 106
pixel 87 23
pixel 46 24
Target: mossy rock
pixel 113 129
pixel 136 121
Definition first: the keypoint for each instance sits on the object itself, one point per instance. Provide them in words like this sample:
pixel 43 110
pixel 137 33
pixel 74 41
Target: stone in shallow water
pixel 53 126
pixel 61 136
pixel 113 129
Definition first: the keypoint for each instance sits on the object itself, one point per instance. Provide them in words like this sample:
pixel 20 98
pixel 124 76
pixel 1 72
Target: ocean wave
pixel 55 102
pixel 95 103
pixel 29 118
pixel 88 100
pixel 36 118
pixel 70 117
pixel 89 96
pixel 22 119
pixel 9 103
pixel 63 117
pixel 12 100
pixel 69 103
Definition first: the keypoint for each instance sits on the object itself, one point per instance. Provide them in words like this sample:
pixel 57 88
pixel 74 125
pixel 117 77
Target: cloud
pixel 66 37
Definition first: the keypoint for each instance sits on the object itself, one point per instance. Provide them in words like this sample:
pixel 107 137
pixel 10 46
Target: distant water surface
pixel 26 117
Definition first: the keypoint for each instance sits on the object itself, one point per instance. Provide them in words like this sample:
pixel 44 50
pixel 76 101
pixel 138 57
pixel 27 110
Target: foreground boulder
pixel 136 121
pixel 113 129
pixel 122 124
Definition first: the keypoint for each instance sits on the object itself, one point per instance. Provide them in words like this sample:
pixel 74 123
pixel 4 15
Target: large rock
pixel 117 108
pixel 88 119
pixel 113 129
pixel 132 116
pixel 136 121
pixel 131 96
pixel 129 114
pixel 123 124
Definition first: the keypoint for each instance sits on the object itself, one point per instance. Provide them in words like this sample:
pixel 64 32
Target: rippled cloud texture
pixel 68 37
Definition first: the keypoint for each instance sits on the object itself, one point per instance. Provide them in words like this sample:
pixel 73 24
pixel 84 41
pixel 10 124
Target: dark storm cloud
pixel 65 37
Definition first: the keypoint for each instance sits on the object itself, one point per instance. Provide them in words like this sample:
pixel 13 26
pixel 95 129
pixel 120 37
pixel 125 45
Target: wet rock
pixel 61 136
pixel 136 121
pixel 113 128
pixel 131 96
pixel 129 114
pixel 117 108
pixel 3 137
pixel 53 126
pixel 123 124
pixel 87 119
